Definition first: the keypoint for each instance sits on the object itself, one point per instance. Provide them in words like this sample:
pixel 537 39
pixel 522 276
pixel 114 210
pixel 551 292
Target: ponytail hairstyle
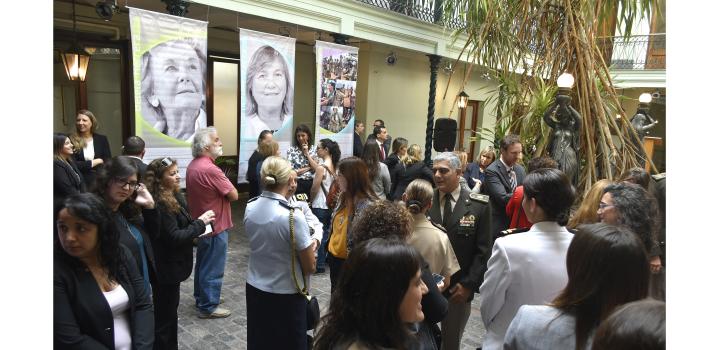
pixel 275 172
pixel 418 195
pixel 552 191
pixel 333 149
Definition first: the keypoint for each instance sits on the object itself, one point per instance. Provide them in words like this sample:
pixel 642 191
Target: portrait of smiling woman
pixel 269 92
pixel 173 87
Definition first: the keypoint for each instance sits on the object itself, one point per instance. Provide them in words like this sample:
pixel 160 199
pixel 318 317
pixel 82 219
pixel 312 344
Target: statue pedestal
pixel 649 143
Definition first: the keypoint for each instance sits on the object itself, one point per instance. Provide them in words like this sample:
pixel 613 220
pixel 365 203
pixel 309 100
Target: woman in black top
pixel 414 168
pixel 96 282
pixel 174 230
pixel 91 148
pixel 66 176
pixel 255 158
pixel 117 184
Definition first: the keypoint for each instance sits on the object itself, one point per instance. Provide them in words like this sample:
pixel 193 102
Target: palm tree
pixel 527 44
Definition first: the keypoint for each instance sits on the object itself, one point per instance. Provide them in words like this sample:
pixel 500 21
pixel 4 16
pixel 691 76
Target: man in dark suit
pixel 358 144
pixel 466 218
pixel 388 140
pixel 134 148
pixel 501 179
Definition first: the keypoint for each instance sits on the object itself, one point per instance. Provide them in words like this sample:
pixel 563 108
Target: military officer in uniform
pixel 466 218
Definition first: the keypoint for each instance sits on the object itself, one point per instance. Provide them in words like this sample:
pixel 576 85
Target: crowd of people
pixel 407 245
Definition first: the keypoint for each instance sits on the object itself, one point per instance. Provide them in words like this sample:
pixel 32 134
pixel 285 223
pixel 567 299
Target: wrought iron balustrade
pixel 638 52
pixel 425 10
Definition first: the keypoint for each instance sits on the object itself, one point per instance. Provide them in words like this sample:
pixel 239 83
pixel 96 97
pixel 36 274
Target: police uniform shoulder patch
pixel 482 198
pixel 286 205
pixel 512 231
pixel 302 197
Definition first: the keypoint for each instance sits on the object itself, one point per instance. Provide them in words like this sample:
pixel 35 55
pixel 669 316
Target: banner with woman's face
pixel 169 70
pixel 267 69
pixel 336 78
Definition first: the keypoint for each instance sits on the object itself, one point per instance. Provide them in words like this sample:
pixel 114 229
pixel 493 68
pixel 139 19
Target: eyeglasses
pixel 602 206
pixel 132 185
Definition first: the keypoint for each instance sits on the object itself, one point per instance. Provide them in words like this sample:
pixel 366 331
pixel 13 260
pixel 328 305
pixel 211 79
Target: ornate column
pixel 434 64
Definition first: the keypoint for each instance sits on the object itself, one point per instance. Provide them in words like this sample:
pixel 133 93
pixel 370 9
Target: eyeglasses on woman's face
pixel 124 183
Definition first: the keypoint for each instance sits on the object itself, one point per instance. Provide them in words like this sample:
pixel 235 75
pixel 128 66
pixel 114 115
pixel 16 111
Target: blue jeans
pixel 209 271
pixel 324 216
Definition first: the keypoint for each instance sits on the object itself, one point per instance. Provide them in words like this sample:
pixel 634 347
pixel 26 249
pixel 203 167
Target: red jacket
pixel 515 211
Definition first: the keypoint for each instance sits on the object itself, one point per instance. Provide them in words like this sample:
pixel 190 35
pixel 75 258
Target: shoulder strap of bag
pixel 327 171
pixel 304 290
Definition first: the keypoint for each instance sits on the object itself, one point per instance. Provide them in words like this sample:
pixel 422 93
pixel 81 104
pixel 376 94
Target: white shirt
pixel 524 268
pixel 118 301
pixel 89 149
pixel 455 196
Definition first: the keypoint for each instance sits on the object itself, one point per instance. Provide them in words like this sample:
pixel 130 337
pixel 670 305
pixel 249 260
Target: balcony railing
pixel 638 52
pixel 429 11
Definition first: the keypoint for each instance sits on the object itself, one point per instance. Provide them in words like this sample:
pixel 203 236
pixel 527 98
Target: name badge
pixel 467 221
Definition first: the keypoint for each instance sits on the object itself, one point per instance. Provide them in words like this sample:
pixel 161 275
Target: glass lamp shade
pixel 566 81
pixel 645 98
pixel 76 62
pixel 462 99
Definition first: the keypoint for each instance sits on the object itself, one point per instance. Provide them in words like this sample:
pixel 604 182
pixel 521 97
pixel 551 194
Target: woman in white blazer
pixel 528 267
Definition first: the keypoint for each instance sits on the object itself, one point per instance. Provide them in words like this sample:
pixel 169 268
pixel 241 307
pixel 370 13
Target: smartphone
pixel 437 278
pixel 208 230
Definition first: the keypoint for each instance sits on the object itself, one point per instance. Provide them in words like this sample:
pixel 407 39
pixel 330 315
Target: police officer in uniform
pixel 300 201
pixel 276 311
pixel 466 218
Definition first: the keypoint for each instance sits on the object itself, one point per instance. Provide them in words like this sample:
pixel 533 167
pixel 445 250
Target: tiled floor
pixel 230 333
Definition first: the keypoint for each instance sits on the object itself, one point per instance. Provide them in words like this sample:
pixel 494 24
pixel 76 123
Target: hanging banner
pixel 337 67
pixel 169 74
pixel 267 70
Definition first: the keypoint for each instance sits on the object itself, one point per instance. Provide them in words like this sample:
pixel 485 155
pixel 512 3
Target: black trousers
pixel 166 298
pixel 275 321
pixel 335 265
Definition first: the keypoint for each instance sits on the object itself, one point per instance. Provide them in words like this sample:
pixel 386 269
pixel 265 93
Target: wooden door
pixel 468 127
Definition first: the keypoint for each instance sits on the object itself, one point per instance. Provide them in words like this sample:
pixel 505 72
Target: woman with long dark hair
pixel 373 303
pixel 528 267
pixel 99 299
pixel 67 179
pixel 282 256
pixel 174 230
pixel 394 161
pixel 303 158
pixel 329 152
pixel 118 185
pixel 377 170
pixel 606 267
pixel 354 184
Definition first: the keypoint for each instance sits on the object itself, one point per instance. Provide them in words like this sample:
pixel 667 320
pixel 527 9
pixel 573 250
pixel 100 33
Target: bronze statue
pixel 564 142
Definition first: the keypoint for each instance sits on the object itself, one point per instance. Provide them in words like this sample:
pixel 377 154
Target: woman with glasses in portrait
pixel 174 230
pixel 118 185
pixel 99 300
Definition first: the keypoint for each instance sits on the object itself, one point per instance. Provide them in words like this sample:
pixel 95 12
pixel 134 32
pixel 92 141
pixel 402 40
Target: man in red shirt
pixel 209 189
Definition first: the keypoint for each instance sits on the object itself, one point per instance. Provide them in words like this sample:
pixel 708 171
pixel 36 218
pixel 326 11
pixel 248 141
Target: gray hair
pixel 450 157
pixel 202 140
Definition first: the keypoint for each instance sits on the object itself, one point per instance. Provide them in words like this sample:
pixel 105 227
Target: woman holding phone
pixel 303 158
pixel 174 230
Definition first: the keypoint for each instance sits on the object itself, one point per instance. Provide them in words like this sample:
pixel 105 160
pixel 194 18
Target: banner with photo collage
pixel 169 73
pixel 337 67
pixel 267 71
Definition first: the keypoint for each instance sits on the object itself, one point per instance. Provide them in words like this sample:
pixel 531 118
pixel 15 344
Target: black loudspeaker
pixel 444 134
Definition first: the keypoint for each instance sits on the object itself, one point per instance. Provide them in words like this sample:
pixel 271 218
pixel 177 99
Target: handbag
pixel 313 308
pixel 332 194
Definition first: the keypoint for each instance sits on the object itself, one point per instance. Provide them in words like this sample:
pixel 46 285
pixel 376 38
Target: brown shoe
pixel 218 313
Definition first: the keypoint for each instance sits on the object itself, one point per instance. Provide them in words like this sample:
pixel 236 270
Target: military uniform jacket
pixel 469 232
